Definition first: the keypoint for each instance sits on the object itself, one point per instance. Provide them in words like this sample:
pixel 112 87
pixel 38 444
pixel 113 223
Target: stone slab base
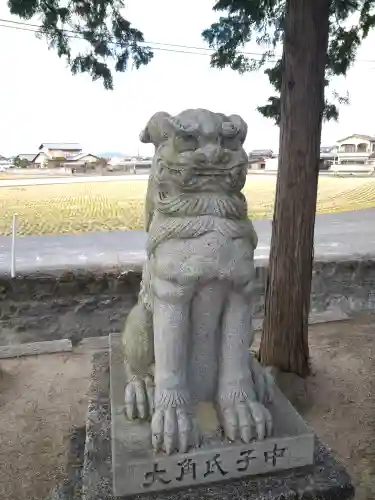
pixel 138 469
pixel 326 480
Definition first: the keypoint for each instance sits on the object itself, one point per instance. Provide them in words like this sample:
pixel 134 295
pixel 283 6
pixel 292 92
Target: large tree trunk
pixel 285 332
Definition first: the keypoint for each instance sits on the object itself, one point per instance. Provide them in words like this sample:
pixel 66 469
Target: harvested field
pixel 103 206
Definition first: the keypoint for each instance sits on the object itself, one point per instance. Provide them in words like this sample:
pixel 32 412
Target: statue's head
pixel 198 150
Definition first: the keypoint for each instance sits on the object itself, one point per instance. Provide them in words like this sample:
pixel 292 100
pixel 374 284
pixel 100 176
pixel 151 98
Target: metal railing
pixel 13 247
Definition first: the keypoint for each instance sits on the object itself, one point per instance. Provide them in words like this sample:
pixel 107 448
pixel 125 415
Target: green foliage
pixel 20 162
pixel 99 23
pixel 262 21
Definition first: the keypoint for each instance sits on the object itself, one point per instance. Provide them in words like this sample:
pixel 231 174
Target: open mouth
pixel 207 169
pixel 216 169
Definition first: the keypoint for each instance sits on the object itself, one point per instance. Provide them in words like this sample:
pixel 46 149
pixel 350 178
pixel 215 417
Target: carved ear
pixel 144 136
pixel 157 129
pixel 241 126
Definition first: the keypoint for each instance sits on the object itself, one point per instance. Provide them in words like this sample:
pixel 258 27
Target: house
pixel 40 160
pixel 328 154
pixel 63 154
pixel 355 149
pixel 4 163
pixel 80 162
pixel 258 158
pixel 25 156
pixel 129 164
pixel 23 159
pixel 81 159
pixel 60 149
pixel 272 164
pixel 55 151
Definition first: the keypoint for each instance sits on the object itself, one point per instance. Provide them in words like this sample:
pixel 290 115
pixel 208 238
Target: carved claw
pixel 264 383
pixel 243 417
pixel 139 398
pixel 173 429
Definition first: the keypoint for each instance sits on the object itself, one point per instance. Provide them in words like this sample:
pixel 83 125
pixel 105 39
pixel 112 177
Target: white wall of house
pixel 41 160
pixel 59 153
pixel 259 165
pixel 359 144
pixel 88 158
pixel 272 164
pixel 354 150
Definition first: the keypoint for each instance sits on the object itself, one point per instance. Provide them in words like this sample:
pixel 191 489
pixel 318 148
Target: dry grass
pixel 74 208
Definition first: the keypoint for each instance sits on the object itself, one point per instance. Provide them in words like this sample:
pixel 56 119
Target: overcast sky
pixel 42 102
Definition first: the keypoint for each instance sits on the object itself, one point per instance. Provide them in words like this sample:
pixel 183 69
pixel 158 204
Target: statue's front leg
pixel 172 423
pixel 242 413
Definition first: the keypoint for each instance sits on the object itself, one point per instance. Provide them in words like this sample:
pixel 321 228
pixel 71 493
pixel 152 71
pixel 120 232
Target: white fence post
pixel 13 250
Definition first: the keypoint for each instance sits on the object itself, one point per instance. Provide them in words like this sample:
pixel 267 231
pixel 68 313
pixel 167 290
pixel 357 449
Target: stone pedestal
pixel 138 469
pixel 325 479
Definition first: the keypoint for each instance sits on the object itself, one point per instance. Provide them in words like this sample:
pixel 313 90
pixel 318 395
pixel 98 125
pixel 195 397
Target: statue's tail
pixel 138 340
pixel 138 334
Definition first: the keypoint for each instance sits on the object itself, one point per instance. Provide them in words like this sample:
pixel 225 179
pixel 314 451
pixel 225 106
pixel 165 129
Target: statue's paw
pixel 139 398
pixel 245 418
pixel 174 429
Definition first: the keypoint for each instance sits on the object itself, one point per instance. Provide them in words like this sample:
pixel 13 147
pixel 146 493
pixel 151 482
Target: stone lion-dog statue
pixel 188 338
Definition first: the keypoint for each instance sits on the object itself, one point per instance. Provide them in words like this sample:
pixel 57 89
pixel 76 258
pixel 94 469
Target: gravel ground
pixel 42 398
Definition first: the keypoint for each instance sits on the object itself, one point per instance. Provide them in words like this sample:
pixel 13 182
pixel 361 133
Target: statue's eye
pixel 231 143
pixel 186 143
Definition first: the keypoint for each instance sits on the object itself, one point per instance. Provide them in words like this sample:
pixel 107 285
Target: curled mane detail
pixel 165 228
pixel 232 206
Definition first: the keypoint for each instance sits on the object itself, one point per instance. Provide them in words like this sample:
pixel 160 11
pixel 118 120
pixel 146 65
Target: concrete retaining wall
pixel 89 303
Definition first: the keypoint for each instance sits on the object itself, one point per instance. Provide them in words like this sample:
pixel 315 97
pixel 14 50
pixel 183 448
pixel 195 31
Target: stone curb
pixel 314 318
pixel 33 348
pixel 124 268
pixel 101 343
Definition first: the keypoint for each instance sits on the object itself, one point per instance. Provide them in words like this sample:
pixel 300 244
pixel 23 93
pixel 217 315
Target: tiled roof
pixel 79 156
pixel 27 156
pixel 326 149
pixel 261 152
pixel 361 136
pixel 65 146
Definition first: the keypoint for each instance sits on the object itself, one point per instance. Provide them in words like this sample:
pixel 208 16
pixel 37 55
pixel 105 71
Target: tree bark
pixel 285 332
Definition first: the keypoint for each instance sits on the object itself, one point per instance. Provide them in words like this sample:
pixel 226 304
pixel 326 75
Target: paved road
pixel 335 235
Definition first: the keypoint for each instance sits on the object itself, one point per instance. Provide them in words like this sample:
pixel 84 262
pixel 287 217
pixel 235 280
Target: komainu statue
pixel 188 338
